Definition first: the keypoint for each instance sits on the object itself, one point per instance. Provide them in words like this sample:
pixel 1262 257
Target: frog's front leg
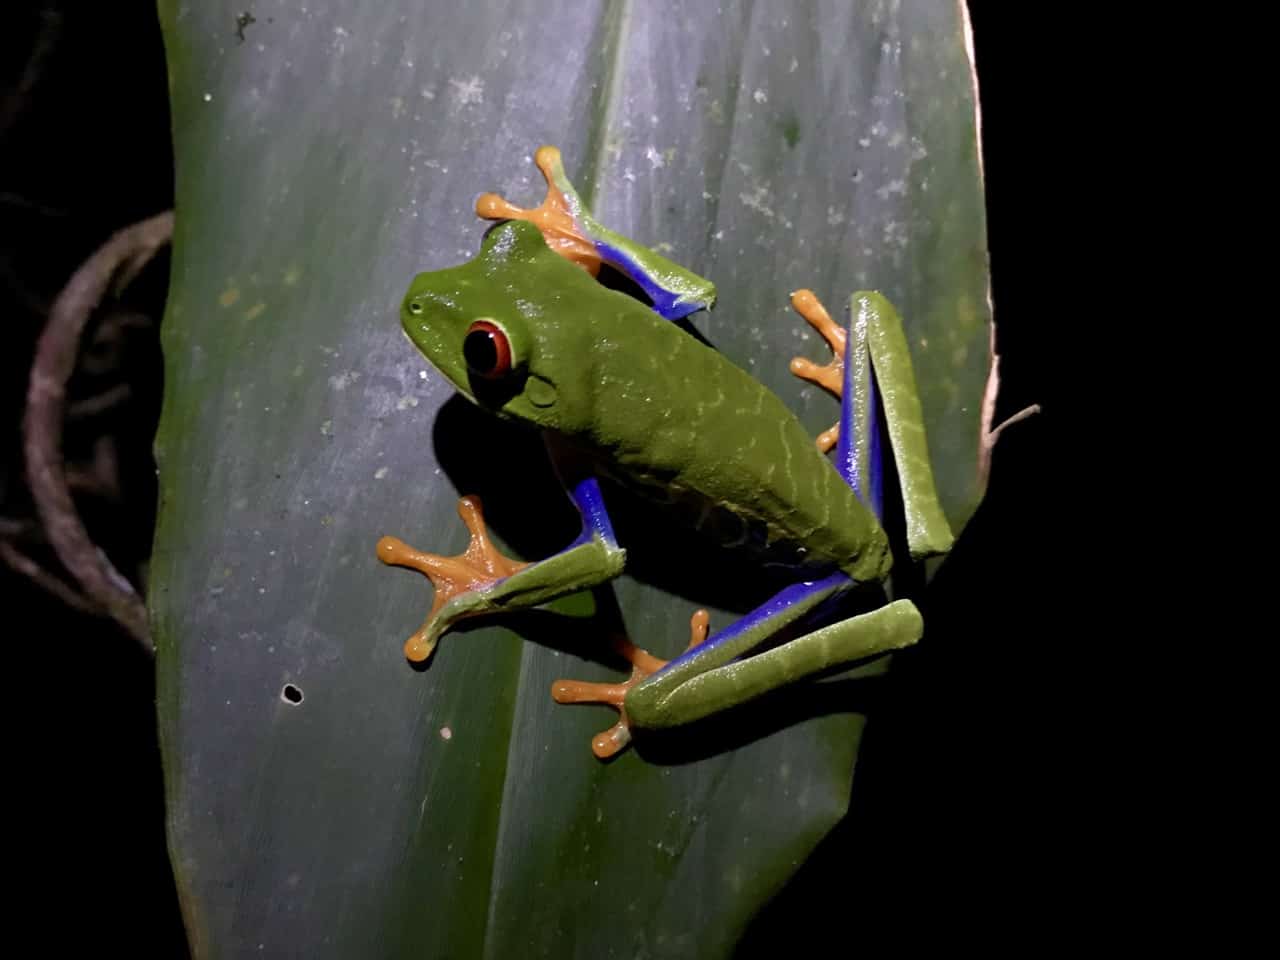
pixel 571 231
pixel 482 581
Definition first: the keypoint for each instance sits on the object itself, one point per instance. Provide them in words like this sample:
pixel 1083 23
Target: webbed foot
pixel 829 376
pixel 556 216
pixel 643 664
pixel 479 565
pixel 570 230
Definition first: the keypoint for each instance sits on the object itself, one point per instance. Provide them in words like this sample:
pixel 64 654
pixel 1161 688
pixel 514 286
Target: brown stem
pixel 13 529
pixel 21 563
pixel 92 406
pixel 119 259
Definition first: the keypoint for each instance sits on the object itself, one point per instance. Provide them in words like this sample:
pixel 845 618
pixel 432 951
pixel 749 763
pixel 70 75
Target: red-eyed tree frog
pixel 619 390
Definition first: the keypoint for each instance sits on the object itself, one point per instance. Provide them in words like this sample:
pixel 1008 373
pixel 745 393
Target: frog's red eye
pixel 487 350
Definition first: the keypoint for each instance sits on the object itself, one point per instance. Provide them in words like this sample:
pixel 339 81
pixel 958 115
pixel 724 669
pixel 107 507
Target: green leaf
pixel 321 163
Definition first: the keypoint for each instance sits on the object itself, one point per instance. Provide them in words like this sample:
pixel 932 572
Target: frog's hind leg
pixel 872 374
pixel 643 665
pixel 699 694
pixel 715 673
pixel 652 679
pixel 856 436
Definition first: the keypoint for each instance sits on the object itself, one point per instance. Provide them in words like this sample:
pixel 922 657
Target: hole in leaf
pixel 291 694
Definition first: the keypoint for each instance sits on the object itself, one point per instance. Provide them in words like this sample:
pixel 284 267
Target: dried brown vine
pixel 110 269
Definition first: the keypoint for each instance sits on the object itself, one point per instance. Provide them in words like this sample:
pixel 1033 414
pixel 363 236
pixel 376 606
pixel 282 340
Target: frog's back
pixel 678 422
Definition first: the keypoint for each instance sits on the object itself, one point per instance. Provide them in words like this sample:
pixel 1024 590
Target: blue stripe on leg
pixel 587 498
pixel 875 466
pixel 668 304
pixel 858 453
pixel 772 608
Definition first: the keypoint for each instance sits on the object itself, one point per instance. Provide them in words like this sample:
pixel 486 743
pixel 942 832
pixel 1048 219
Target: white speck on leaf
pixel 760 96
pixel 326 429
pixel 467 92
pixel 756 201
pixel 654 157
pixel 380 473
pixel 404 403
pixel 893 186
pixel 208 98
pixel 446 733
pixel 341 381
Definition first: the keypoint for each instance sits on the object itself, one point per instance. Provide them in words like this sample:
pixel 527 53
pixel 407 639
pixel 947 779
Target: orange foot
pixel 830 376
pixel 608 742
pixel 479 565
pixel 553 216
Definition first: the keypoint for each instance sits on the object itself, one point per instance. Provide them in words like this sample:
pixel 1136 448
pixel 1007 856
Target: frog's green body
pixel 650 405
pixel 621 391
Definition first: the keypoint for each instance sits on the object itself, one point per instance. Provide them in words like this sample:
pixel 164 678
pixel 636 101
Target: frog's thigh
pixel 928 533
pixel 891 627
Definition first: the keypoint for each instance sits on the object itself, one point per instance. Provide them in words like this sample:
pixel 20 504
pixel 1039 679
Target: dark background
pixel 969 821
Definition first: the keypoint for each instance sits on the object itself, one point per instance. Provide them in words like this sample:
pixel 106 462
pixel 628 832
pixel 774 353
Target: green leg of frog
pixel 871 369
pixel 709 677
pixel 681 696
pixel 482 581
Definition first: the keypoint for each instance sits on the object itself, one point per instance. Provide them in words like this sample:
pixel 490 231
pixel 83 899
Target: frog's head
pixel 507 328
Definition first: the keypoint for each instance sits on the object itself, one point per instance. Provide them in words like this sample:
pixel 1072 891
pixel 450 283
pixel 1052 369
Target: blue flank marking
pixel 847 452
pixel 877 466
pixel 793 594
pixel 595 516
pixel 849 459
pixel 664 302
